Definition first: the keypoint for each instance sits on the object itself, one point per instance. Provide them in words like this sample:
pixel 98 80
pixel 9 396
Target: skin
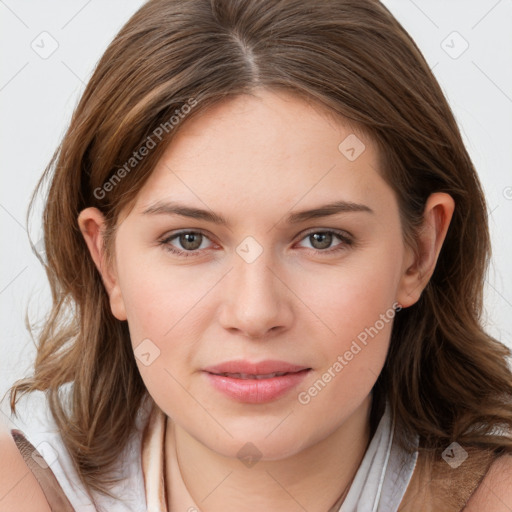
pixel 254 160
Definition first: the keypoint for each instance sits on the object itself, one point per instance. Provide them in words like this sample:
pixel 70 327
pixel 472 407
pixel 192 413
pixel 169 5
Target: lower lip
pixel 256 391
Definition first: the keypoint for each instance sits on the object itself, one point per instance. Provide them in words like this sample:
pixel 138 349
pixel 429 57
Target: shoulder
pixel 495 491
pixel 19 489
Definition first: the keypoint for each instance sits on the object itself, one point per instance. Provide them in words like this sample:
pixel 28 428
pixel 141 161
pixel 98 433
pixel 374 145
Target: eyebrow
pixel 176 208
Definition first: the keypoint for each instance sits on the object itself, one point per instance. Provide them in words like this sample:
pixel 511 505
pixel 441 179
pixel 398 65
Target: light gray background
pixel 38 95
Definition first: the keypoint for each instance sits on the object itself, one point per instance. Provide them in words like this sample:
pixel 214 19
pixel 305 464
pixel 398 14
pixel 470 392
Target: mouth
pixel 255 383
pixel 247 376
pixel 248 370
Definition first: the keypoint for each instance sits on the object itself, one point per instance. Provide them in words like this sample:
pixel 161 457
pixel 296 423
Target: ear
pixel 419 265
pixel 92 225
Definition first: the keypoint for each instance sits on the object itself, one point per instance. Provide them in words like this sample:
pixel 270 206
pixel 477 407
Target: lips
pixel 255 383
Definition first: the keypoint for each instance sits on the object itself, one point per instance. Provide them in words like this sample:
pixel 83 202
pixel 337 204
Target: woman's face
pixel 266 272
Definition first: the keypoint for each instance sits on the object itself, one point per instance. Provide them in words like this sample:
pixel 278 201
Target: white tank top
pixel 378 486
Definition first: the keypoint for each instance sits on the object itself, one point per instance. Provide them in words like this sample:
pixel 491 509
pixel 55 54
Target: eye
pixel 321 241
pixel 190 242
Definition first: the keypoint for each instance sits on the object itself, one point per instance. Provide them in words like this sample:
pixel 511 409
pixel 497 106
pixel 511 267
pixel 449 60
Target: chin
pixel 257 443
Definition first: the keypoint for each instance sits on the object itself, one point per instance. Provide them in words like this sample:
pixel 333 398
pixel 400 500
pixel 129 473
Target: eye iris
pixel 325 240
pixel 190 241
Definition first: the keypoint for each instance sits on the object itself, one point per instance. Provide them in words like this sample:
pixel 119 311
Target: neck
pixel 312 479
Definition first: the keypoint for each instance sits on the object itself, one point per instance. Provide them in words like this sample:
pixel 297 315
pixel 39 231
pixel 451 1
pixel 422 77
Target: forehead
pixel 274 149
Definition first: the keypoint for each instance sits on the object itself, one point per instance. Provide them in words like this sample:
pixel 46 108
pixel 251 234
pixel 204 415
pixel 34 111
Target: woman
pixel 266 244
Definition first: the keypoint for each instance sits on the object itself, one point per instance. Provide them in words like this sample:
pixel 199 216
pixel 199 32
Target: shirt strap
pixel 44 475
pixel 446 481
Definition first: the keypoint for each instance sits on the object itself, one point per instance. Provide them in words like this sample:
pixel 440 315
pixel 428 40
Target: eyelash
pixel 346 242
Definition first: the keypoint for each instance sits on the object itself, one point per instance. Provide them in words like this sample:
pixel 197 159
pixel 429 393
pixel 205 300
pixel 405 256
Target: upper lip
pixel 260 368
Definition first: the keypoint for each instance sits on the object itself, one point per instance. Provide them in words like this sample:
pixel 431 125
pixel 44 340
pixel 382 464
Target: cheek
pixel 351 295
pixel 164 323
pixel 158 294
pixel 355 301
pixel 166 306
pixel 357 306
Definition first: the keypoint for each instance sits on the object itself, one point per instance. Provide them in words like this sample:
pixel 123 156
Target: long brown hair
pixel 445 378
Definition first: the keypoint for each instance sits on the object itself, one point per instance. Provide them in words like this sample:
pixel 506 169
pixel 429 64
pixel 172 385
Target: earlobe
pixel 92 225
pixel 420 264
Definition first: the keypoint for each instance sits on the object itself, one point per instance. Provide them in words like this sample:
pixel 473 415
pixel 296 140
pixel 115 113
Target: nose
pixel 256 302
